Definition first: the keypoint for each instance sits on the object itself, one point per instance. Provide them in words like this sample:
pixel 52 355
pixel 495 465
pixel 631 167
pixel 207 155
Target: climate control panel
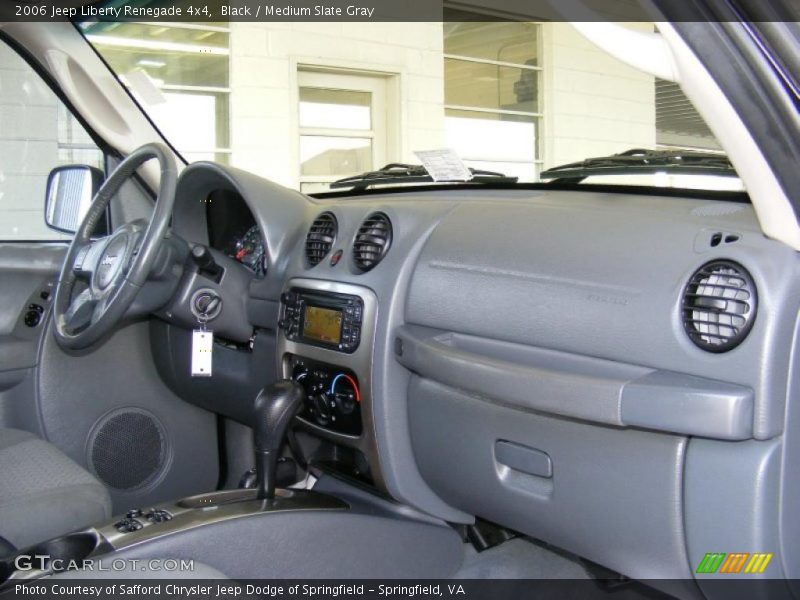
pixel 332 395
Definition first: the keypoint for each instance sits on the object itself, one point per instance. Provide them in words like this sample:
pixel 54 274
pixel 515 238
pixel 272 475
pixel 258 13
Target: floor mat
pixel 519 559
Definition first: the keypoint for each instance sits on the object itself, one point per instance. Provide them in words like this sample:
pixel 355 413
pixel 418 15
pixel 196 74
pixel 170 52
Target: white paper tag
pixel 202 351
pixel 444 165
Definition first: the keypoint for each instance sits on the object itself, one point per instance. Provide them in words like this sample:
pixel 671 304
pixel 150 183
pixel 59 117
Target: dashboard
pixel 586 367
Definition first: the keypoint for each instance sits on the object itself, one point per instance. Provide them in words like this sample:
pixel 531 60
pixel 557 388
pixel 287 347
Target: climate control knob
pixel 323 405
pixel 299 373
pixel 346 401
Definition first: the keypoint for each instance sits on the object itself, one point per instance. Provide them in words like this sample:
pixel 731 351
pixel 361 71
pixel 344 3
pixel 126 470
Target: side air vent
pixel 372 241
pixel 320 238
pixel 719 306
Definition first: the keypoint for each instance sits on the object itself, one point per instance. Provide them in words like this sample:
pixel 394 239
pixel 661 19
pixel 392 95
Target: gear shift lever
pixel 275 406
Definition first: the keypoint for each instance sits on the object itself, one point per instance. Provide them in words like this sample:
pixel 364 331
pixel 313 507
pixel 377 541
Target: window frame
pixel 376 84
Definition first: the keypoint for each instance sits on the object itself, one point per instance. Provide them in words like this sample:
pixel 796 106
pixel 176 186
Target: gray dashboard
pixel 530 365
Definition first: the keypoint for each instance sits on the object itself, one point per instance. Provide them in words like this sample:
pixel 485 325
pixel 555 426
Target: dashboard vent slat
pixel 719 306
pixel 320 238
pixel 372 241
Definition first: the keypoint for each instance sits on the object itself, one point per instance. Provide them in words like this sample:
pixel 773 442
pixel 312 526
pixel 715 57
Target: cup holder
pixel 73 547
pixel 68 551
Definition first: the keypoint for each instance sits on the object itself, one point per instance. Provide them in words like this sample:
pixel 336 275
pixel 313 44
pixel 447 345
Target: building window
pixel 493 95
pixel 342 126
pixel 180 73
pixel 678 124
pixel 75 145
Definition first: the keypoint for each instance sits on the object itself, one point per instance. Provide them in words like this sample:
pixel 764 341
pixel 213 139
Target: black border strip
pixel 367 10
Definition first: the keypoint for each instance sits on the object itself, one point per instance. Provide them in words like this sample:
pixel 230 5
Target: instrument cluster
pixel 248 249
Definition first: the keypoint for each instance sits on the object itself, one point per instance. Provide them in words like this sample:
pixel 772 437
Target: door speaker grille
pixel 128 449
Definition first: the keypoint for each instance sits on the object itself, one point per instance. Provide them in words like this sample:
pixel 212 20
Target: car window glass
pixel 37 133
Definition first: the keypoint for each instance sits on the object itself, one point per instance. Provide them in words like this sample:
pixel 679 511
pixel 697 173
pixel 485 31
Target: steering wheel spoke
pixel 81 312
pixel 99 308
pixel 86 258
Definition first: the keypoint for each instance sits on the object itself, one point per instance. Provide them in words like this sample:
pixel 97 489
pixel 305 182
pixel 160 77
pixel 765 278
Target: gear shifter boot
pixel 285 476
pixel 275 407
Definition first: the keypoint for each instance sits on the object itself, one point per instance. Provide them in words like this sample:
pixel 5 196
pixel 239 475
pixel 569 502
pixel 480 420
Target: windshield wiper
pixel 401 174
pixel 638 161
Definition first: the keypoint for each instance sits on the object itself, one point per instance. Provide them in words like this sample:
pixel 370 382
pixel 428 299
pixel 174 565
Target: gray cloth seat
pixel 44 493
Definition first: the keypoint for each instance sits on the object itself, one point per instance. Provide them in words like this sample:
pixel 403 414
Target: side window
pixel 37 133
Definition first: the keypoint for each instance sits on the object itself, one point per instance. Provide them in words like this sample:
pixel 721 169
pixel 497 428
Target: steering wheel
pixel 116 267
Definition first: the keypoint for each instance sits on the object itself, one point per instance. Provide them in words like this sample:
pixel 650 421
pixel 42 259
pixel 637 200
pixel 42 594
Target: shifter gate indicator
pixel 322 324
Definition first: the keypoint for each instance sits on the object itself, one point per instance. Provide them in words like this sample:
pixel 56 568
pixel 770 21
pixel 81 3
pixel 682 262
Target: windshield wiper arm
pixel 400 173
pixel 640 161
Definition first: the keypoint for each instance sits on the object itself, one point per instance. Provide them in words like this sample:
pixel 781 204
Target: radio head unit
pixel 324 319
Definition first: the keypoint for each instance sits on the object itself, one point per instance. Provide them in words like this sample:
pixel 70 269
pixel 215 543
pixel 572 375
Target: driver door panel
pixel 109 410
pixel 107 407
pixel 27 275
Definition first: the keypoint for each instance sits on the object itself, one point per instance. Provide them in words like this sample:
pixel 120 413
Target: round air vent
pixel 320 238
pixel 372 241
pixel 719 306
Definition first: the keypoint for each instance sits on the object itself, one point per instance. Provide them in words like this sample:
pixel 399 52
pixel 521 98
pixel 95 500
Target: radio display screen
pixel 322 325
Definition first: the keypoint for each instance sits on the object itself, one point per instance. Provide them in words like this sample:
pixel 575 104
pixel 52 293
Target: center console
pixel 325 342
pixel 153 525
pixel 333 531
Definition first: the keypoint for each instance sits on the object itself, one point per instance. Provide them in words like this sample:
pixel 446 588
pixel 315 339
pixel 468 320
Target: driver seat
pixel 43 492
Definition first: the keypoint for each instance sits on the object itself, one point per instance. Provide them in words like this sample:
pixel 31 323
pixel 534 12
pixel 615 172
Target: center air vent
pixel 320 238
pixel 372 241
pixel 719 306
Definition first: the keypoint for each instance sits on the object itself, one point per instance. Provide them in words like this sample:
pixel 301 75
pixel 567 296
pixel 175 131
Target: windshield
pixel 307 104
